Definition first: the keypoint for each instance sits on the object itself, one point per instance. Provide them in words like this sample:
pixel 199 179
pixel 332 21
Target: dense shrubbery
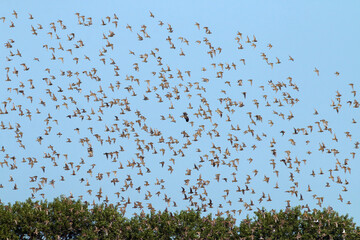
pixel 68 219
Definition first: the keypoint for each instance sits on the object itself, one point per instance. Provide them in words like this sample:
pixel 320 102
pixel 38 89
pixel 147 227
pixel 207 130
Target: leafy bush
pixel 69 219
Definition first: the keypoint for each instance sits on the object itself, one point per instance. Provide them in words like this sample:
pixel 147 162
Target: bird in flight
pixel 185 116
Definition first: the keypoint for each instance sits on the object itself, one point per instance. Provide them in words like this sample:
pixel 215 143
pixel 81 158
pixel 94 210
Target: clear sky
pixel 299 129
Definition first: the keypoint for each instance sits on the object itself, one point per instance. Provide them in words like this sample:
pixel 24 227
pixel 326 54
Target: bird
pixel 185 116
pixel 316 71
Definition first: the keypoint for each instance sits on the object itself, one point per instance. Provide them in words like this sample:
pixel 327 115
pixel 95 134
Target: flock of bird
pixel 170 120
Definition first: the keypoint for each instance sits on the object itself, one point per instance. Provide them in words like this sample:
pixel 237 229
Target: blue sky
pixel 316 34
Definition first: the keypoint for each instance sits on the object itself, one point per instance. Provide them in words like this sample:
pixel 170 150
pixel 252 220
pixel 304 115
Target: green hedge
pixel 68 219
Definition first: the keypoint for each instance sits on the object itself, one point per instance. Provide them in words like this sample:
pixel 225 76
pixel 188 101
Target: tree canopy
pixel 64 218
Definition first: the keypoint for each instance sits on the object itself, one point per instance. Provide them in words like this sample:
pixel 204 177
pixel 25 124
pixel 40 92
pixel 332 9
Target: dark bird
pixel 185 115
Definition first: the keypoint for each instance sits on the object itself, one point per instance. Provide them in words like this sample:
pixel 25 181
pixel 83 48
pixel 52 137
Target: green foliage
pixel 68 219
pixel 295 224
